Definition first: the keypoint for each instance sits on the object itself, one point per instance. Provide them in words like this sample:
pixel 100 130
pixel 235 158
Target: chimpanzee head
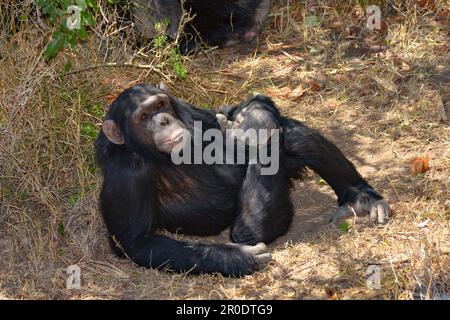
pixel 144 116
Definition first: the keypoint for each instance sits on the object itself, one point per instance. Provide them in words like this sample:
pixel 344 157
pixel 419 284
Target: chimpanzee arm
pixel 305 147
pixel 160 252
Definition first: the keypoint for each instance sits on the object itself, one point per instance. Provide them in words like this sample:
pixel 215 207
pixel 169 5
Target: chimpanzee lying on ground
pixel 214 22
pixel 144 191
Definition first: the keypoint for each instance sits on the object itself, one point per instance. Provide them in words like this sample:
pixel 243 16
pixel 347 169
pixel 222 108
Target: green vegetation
pixel 58 13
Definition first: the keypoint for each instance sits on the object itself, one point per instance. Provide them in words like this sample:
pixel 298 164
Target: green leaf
pixel 311 21
pixel 92 4
pixel 87 19
pixel 55 45
pixel 61 230
pixel 72 39
pixel 81 4
pixel 61 3
pixel 180 70
pixel 67 66
pixel 81 34
pixel 344 226
pixel 89 130
pixel 40 3
pixel 95 110
pixel 73 199
pixel 159 42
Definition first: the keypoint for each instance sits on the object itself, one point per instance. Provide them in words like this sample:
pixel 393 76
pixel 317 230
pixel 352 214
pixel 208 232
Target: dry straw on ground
pixel 379 95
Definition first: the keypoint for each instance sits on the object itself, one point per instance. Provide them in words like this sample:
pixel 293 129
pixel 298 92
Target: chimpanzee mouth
pixel 175 140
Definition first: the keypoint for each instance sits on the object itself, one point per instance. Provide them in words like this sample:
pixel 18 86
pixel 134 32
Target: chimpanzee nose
pixel 162 119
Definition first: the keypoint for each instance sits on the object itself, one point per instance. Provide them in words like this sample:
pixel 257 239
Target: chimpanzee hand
pixel 364 200
pixel 223 121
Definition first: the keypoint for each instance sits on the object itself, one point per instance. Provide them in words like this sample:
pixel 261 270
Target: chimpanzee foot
pixel 258 252
pixel 366 201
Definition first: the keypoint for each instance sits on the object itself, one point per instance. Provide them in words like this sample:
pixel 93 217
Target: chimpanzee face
pixel 149 117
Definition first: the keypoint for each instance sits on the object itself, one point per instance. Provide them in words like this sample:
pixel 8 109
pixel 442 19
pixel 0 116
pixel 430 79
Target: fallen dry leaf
pixel 429 4
pixel 286 92
pixel 314 85
pixel 110 97
pixel 419 165
pixel 283 92
pixel 331 294
pixel 444 17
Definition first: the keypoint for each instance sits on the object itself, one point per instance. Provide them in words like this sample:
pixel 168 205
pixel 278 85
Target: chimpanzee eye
pixel 160 104
pixel 145 116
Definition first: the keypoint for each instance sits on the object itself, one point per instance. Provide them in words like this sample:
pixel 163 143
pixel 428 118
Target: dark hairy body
pixel 213 22
pixel 144 192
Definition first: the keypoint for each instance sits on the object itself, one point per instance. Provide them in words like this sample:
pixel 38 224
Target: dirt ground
pixel 381 96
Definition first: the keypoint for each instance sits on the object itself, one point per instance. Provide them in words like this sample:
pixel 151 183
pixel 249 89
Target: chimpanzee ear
pixel 112 132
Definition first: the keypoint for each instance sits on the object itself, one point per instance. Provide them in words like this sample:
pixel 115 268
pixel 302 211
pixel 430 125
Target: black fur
pixel 214 22
pixel 143 191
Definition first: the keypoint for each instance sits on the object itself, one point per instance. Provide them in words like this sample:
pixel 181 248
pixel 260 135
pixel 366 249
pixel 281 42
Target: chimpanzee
pixel 214 22
pixel 144 191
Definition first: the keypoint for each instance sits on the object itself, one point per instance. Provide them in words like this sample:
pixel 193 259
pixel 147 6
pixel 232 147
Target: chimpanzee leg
pixel 305 147
pixel 265 208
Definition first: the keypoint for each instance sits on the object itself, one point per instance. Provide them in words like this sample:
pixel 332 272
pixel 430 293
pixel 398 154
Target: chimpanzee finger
pixel 256 249
pixel 341 213
pixel 374 214
pixel 380 211
pixel 263 259
pixel 223 121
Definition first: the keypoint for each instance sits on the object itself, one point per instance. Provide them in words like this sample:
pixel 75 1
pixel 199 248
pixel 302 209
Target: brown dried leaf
pixel 314 85
pixel 110 97
pixel 283 92
pixel 429 4
pixel 419 165
pixel 286 92
pixel 297 93
pixel 331 294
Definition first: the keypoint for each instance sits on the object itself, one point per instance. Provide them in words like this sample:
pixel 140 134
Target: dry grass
pixel 375 94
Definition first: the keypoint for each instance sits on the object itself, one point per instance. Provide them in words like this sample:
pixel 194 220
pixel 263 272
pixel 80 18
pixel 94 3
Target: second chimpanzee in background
pixel 144 191
pixel 214 22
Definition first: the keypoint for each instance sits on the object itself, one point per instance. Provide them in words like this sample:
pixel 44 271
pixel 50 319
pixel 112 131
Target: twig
pixel 115 65
pixel 40 22
pixel 394 188
pixel 391 262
